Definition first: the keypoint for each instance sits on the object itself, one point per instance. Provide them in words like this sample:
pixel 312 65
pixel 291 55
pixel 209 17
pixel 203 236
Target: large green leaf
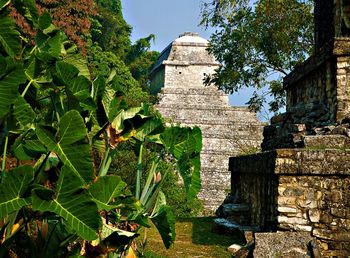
pixel 108 230
pixel 148 129
pixel 9 89
pixel 189 168
pixel 79 62
pixel 13 187
pixel 105 189
pixel 118 121
pixel 66 72
pixel 28 149
pixel 73 204
pixel 36 75
pixel 4 3
pixel 165 223
pixel 69 145
pixel 185 144
pixel 9 36
pixel 23 111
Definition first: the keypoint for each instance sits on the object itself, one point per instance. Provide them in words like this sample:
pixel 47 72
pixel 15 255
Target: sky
pixel 167 19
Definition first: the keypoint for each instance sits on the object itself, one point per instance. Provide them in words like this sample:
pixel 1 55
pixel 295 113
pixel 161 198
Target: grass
pixel 194 238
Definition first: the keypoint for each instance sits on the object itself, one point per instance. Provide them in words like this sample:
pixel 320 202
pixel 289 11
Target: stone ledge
pixel 325 162
pixel 327 141
pixel 206 108
pixel 192 91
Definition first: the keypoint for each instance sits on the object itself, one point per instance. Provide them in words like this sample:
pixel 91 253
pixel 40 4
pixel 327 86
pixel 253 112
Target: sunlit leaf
pixel 69 146
pixel 112 187
pixel 9 36
pixel 73 204
pixel 23 111
pixel 12 189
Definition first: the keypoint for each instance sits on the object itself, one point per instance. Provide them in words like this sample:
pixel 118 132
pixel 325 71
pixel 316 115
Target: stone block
pixel 292 220
pixel 341 212
pixel 282 244
pixel 234 248
pixel 314 215
pixel 302 228
pixel 331 235
pixel 285 209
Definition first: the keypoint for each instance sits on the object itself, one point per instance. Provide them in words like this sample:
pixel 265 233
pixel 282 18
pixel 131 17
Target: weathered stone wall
pixel 298 189
pixel 187 75
pixel 317 91
pixel 343 88
pixel 311 99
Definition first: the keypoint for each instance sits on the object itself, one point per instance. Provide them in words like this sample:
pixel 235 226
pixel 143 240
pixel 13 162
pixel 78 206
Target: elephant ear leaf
pixel 165 224
pixel 23 111
pixel 185 145
pixel 9 89
pixel 69 146
pixel 12 188
pixel 112 187
pixel 73 204
pixel 9 36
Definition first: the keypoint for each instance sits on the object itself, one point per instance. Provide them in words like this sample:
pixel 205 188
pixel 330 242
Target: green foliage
pixel 57 118
pixel 111 47
pixel 104 63
pixel 72 203
pixel 140 60
pixel 125 161
pixel 111 31
pixel 68 144
pixel 259 43
pixel 11 198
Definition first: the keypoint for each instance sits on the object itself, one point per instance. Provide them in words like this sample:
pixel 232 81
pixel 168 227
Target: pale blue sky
pixel 167 19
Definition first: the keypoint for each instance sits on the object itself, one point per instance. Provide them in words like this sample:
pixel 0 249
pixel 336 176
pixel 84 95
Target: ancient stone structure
pixel 302 180
pixel 318 91
pixel 178 77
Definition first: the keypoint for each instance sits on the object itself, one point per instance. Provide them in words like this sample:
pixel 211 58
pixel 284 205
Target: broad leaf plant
pixel 59 130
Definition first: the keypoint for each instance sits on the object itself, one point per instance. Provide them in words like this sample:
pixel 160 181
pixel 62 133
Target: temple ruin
pixel 178 78
pixel 301 182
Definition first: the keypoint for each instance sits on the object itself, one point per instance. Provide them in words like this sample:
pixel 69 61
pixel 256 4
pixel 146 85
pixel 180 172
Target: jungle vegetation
pixel 73 107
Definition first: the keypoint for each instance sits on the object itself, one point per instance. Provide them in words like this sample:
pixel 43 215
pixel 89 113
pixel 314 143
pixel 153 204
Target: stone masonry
pixel 178 78
pixel 301 182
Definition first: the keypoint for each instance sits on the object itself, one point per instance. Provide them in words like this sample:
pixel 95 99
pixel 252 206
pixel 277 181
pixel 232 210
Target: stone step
pixel 190 99
pixel 204 90
pixel 219 161
pixel 225 226
pixel 282 244
pixel 236 213
pixel 230 147
pixel 327 141
pixel 197 115
pixel 228 209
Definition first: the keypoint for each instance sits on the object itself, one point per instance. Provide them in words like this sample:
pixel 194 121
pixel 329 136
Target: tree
pixel 257 44
pixel 73 17
pixel 111 32
pixel 141 60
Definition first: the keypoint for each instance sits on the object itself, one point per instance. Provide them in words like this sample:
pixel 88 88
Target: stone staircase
pixel 227 131
pixel 234 217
